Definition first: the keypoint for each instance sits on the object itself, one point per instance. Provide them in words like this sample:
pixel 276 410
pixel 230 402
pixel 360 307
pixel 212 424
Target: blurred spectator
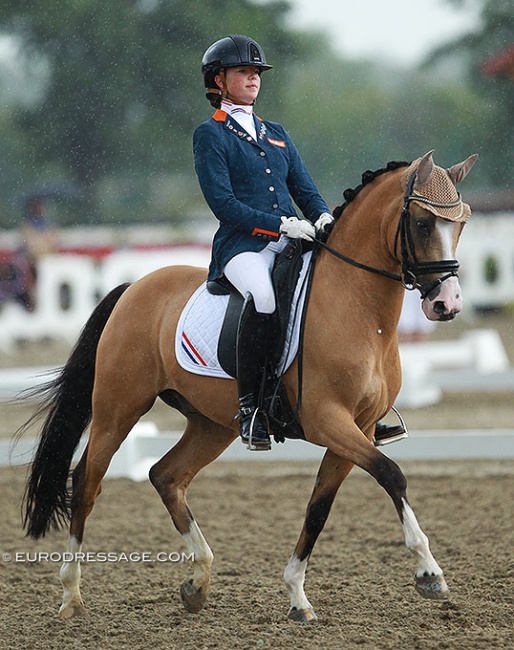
pixel 39 238
pixel 414 326
pixel 38 234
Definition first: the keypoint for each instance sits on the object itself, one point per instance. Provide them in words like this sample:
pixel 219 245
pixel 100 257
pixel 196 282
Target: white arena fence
pixel 70 286
pixel 486 255
pixel 145 445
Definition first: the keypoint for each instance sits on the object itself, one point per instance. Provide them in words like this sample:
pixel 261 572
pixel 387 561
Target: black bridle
pixel 412 269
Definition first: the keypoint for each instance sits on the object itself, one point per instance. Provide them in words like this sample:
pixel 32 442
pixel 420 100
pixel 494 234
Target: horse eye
pixel 423 227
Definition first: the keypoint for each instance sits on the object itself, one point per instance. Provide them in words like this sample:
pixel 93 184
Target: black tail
pixel 67 412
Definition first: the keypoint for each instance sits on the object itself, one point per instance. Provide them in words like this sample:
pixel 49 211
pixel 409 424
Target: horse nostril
pixel 439 307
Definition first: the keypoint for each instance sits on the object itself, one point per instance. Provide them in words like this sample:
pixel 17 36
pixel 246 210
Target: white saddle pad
pixel 199 327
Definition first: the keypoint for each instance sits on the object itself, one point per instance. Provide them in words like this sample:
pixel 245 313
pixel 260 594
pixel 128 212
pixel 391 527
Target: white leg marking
pixel 417 542
pixel 294 577
pixel 201 553
pixel 70 578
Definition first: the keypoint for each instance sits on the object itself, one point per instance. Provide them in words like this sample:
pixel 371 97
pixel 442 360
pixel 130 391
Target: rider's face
pixel 242 84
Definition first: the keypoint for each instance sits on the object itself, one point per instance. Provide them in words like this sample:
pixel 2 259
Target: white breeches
pixel 251 272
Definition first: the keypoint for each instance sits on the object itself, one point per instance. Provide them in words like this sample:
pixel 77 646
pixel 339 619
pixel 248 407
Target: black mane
pixel 368 176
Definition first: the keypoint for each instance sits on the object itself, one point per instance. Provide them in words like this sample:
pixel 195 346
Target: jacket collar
pixel 237 129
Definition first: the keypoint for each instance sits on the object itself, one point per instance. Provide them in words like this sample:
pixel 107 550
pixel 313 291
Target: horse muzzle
pixel 444 302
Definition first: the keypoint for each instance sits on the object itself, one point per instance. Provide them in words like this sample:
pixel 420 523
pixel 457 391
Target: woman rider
pixel 249 170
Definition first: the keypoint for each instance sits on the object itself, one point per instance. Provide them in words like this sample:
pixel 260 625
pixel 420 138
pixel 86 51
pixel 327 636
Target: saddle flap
pixel 285 275
pixel 228 334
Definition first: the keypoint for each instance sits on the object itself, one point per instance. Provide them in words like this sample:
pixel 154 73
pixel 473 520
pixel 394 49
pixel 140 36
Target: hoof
pixel 301 615
pixel 73 610
pixel 432 586
pixel 193 599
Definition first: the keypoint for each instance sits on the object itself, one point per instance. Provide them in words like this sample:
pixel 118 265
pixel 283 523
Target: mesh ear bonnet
pixel 439 195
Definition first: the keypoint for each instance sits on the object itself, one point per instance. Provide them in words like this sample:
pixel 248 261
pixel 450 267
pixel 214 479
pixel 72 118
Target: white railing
pixel 486 255
pixel 145 445
pixel 476 361
pixel 69 287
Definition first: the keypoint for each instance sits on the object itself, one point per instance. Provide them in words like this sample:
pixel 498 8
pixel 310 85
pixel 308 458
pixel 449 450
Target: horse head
pixel 432 220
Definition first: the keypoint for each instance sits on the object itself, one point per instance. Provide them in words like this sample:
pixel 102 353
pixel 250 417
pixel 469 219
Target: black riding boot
pixel 251 359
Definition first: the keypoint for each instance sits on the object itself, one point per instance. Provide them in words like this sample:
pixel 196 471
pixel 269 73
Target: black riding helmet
pixel 229 52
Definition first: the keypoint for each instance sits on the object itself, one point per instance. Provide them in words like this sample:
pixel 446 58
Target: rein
pixel 411 268
pixel 359 265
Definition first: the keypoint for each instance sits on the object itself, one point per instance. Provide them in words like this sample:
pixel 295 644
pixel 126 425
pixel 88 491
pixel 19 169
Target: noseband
pixel 412 270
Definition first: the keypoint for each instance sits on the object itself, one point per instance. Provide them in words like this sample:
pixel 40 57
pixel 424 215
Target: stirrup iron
pixel 402 433
pixel 263 445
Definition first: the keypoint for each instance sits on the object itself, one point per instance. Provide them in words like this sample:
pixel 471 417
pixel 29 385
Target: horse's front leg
pixel 430 582
pixel 356 448
pixel 332 472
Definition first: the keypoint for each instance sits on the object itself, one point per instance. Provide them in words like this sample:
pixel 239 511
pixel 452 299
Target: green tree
pixel 359 116
pixel 495 34
pixel 119 93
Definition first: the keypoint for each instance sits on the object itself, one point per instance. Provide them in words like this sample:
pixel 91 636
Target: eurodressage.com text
pixel 97 556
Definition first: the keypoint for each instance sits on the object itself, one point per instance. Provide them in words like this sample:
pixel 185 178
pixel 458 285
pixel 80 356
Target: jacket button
pixel 263 153
pixel 268 171
pixel 275 206
pixel 271 188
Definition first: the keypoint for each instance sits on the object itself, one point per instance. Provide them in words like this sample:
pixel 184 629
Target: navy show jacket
pixel 248 184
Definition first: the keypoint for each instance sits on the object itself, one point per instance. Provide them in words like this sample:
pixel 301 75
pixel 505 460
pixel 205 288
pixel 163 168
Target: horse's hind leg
pixel 70 572
pixel 202 442
pixel 331 474
pixel 108 430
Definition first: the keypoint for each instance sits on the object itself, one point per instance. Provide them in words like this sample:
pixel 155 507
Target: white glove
pixel 297 228
pixel 326 219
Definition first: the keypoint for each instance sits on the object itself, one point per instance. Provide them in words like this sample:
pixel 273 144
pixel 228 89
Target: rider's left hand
pixel 326 219
pixel 324 224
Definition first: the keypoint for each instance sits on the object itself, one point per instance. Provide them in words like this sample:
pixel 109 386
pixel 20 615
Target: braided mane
pixel 368 176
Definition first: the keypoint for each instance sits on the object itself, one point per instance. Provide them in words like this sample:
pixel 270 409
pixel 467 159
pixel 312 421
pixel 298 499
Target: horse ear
pixel 425 170
pixel 458 172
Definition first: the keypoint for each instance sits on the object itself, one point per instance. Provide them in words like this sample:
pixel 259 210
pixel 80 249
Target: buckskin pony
pixel 399 229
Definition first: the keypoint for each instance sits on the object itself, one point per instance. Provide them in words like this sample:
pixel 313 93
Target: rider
pixel 249 170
